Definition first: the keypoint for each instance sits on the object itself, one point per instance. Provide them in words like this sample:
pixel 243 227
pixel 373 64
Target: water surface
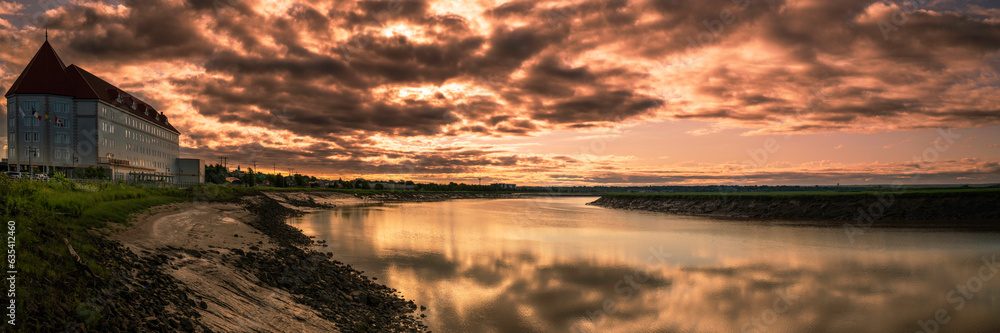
pixel 557 265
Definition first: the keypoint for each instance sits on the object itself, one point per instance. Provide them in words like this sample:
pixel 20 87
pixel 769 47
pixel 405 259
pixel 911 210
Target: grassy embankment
pixel 46 213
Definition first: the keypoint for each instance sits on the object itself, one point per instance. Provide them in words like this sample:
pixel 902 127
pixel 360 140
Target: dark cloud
pixel 342 72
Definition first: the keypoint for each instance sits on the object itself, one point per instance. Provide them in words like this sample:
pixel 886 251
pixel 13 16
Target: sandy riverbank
pixel 246 270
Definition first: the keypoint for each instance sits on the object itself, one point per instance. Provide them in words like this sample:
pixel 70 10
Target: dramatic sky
pixel 542 92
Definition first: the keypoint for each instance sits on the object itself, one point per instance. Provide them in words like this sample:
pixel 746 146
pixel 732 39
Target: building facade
pixel 63 118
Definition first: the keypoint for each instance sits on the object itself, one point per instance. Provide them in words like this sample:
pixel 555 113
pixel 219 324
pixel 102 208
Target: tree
pixel 92 172
pixel 216 174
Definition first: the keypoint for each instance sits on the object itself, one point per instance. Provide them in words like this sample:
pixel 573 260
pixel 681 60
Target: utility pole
pixel 274 168
pixel 253 175
pixel 225 161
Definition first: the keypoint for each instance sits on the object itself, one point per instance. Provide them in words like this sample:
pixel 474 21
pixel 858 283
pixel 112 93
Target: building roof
pixel 46 74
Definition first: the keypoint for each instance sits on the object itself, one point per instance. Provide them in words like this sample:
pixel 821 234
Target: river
pixel 558 265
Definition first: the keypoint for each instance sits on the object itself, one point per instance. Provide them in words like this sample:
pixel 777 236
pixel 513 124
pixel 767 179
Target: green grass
pixel 47 212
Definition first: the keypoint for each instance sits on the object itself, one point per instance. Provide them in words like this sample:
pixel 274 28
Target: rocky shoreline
pixel 175 270
pixel 341 294
pixel 901 209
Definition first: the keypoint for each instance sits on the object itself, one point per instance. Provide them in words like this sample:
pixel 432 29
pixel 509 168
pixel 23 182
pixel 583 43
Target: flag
pixel 19 109
pixel 47 117
pixel 59 122
pixel 35 113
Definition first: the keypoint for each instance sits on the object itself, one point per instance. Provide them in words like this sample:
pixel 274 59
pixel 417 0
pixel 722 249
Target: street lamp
pixel 75 159
pixel 31 153
pixel 114 167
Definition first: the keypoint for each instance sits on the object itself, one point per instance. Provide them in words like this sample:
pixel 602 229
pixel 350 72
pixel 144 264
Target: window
pixel 58 154
pixel 31 106
pixel 61 107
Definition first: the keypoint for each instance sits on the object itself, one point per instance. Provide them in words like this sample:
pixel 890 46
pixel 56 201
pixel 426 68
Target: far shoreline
pixel 954 209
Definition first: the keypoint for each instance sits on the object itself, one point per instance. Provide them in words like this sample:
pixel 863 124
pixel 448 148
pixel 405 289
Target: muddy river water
pixel 558 265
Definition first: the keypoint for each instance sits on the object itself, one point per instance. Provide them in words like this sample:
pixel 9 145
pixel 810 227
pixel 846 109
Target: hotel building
pixel 61 118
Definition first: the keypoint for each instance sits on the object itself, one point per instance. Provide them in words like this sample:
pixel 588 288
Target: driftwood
pixel 76 258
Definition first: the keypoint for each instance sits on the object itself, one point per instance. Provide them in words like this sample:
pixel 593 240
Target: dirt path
pixel 196 240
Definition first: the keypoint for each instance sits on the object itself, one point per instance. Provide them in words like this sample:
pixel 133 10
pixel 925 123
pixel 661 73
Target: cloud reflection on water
pixel 506 274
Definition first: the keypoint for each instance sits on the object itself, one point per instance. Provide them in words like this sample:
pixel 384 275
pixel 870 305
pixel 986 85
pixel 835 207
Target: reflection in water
pixel 554 264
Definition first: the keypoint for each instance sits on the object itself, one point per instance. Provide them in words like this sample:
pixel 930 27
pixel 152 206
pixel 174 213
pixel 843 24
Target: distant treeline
pixel 218 174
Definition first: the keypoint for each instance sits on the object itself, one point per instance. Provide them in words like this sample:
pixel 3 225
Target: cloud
pixel 374 75
pixel 10 8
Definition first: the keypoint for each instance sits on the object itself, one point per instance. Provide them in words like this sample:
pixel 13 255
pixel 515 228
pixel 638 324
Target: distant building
pixel 504 186
pixel 393 186
pixel 60 118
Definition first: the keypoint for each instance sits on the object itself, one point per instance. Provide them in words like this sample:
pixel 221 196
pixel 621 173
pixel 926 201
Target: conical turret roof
pixel 45 74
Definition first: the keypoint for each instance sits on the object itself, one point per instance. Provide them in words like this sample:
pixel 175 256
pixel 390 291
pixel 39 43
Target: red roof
pixel 46 74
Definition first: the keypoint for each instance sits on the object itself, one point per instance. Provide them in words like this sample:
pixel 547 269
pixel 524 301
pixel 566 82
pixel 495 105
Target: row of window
pixel 146 151
pixel 57 154
pixel 35 137
pixel 147 163
pixel 137 123
pixel 30 109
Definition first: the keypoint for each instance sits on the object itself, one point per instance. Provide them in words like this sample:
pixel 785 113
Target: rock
pixel 193 253
pixel 187 325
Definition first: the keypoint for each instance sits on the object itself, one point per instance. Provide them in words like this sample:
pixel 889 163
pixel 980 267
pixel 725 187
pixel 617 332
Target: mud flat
pixel 238 267
pixel 967 210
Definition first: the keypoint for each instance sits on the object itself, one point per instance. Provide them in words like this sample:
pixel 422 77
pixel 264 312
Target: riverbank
pixel 956 208
pixel 252 272
pixel 117 258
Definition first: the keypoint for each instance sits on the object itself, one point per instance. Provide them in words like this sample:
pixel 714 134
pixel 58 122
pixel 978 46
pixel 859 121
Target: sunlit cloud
pixel 369 88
